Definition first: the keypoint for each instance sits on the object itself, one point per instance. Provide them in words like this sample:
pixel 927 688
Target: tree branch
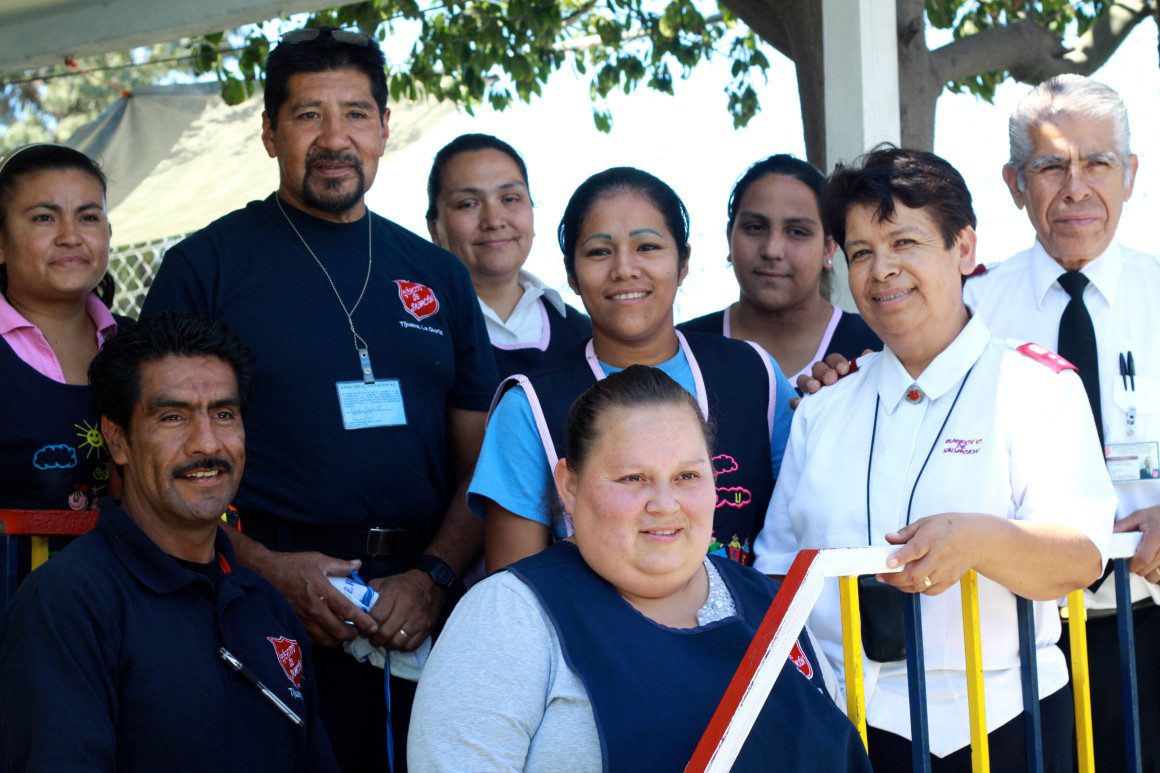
pixel 1032 53
pixel 588 42
pixel 767 19
pixel 1107 33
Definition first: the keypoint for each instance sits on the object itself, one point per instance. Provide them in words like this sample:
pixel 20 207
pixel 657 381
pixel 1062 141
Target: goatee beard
pixel 328 196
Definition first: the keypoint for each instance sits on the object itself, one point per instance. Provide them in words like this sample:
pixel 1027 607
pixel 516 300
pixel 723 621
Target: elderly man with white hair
pixel 1096 302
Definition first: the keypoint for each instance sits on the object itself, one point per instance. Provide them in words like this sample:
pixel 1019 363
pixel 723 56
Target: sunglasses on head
pixel 307 34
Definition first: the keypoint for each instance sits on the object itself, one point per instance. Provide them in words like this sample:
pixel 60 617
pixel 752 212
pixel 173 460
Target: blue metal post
pixel 916 679
pixel 1032 726
pixel 1128 695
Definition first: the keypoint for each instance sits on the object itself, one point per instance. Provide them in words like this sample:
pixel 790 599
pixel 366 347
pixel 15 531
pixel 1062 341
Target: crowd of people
pixel 306 461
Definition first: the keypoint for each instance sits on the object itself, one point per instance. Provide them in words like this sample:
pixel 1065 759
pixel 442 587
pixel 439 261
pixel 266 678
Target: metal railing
pixel 802 586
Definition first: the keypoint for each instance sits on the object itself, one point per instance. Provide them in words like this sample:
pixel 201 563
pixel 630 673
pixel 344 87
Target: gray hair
pixel 1073 95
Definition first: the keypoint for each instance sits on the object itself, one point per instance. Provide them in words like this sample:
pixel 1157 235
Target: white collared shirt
pixel 1005 451
pixel 1021 298
pixel 526 323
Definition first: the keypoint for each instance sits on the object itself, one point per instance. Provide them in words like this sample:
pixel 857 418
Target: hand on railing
pixel 936 552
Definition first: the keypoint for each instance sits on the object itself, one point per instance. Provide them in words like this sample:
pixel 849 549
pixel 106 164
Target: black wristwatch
pixel 437 569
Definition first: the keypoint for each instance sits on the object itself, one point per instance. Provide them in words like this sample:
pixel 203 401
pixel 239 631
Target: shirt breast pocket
pixel 1137 414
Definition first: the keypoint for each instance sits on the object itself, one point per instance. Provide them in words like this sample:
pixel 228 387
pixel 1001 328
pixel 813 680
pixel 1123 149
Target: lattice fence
pixel 134 268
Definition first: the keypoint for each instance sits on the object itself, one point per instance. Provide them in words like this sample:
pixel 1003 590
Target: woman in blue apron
pixel 55 293
pixel 783 257
pixel 479 207
pixel 611 650
pixel 624 237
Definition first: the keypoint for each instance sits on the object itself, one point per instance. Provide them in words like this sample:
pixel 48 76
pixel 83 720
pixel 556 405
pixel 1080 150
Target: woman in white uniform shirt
pixel 967 451
pixel 479 208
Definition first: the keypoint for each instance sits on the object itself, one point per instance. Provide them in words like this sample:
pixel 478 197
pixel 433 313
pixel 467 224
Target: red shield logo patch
pixel 419 300
pixel 798 657
pixel 289 657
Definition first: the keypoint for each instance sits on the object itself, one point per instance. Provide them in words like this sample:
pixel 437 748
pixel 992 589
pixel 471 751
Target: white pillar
pixel 860 42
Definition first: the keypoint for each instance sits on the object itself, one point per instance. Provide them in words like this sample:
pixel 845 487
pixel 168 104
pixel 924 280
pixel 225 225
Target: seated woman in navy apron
pixel 965 451
pixel 55 293
pixel 479 207
pixel 783 256
pixel 611 650
pixel 624 236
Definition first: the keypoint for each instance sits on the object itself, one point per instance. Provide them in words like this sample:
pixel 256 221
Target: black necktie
pixel 1077 343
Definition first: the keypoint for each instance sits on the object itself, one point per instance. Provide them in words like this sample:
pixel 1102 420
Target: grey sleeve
pixel 484 692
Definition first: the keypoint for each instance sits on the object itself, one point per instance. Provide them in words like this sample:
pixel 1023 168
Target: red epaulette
pixel 1042 355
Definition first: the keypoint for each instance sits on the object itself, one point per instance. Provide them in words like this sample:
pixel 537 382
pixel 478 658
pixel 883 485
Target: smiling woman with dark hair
pixel 966 451
pixel 55 292
pixel 625 243
pixel 479 207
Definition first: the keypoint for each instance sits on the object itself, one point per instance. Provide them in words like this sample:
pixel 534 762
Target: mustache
pixel 209 464
pixel 333 157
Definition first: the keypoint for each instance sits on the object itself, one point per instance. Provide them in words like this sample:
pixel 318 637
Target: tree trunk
pixel 794 28
pixel 919 86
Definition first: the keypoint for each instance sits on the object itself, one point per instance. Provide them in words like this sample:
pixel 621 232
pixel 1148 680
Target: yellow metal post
pixel 973 647
pixel 1081 681
pixel 39 550
pixel 852 647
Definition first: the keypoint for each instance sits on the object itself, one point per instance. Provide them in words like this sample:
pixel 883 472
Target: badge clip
pixel 364 359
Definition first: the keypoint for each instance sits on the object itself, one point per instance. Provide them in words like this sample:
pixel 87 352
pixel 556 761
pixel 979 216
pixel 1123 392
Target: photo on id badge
pixel 1132 453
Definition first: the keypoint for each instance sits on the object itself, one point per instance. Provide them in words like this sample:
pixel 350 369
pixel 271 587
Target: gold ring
pixel 926 582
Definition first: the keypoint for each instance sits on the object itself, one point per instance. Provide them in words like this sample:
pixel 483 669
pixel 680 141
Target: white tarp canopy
pixel 178 157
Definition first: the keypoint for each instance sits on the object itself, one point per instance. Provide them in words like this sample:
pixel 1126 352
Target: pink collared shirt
pixel 32 347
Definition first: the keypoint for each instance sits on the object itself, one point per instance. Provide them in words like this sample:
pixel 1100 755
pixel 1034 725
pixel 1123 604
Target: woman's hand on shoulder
pixel 936 551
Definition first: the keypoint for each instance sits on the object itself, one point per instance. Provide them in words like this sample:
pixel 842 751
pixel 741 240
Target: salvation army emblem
pixel 798 657
pixel 289 657
pixel 419 300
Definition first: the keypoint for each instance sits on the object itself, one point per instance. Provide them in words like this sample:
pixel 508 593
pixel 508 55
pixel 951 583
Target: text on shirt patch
pixel 289 657
pixel 953 445
pixel 404 323
pixel 418 299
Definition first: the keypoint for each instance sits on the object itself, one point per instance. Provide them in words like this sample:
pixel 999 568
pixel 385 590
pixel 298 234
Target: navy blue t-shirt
pixel 421 323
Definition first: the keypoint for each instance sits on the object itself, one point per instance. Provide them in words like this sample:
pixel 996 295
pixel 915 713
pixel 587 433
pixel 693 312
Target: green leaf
pixel 234 91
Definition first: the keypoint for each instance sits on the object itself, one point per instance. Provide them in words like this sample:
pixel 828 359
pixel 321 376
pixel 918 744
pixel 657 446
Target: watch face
pixel 440 573
pixel 443 576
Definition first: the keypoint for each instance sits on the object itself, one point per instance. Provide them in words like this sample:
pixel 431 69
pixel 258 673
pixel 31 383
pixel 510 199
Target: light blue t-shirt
pixel 513 471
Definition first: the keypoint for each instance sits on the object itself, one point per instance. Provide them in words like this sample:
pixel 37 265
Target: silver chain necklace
pixel 359 344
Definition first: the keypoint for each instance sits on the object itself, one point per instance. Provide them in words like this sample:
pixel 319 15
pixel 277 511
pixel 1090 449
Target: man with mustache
pixel 123 652
pixel 374 374
pixel 1078 290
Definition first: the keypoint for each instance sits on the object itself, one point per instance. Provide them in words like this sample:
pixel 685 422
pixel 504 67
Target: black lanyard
pixel 870 458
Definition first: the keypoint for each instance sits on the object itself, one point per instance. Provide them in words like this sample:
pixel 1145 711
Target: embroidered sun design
pixel 91 439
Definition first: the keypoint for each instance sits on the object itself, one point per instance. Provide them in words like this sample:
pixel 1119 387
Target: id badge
pixel 371 404
pixel 1133 461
